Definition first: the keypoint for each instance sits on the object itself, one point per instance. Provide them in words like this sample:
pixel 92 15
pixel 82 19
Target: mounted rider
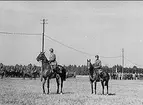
pixel 98 66
pixel 52 60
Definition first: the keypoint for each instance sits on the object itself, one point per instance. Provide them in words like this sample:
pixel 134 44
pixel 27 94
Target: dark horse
pixel 47 74
pixel 94 78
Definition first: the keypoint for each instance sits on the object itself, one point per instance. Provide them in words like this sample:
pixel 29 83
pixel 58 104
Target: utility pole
pixel 43 33
pixel 122 62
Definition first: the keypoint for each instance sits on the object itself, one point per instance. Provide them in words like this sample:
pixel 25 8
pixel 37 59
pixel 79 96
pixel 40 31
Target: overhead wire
pixel 38 34
pixel 133 62
pixel 76 49
pixel 13 33
pixel 68 46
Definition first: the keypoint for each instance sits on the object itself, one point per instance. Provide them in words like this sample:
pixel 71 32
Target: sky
pixel 95 27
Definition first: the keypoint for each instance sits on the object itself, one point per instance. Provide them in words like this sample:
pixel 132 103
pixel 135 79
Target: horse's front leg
pixel 58 83
pixel 95 86
pixel 61 86
pixel 41 76
pixel 43 85
pixel 102 83
pixel 91 82
pixel 48 85
pixel 107 86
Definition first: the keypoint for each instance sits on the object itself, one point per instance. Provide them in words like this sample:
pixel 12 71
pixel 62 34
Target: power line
pixel 76 49
pixel 36 34
pixel 69 46
pixel 133 62
pixel 111 57
pixel 13 33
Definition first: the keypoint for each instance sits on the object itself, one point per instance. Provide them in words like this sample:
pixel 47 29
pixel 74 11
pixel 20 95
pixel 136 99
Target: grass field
pixel 16 91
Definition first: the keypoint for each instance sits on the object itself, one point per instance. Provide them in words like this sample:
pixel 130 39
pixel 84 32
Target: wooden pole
pixel 42 45
pixel 122 62
pixel 43 35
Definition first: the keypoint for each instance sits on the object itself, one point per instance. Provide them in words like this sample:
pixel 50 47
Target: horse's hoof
pixel 61 93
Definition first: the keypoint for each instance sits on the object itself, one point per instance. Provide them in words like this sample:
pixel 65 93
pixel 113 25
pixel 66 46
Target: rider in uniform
pixel 52 60
pixel 98 66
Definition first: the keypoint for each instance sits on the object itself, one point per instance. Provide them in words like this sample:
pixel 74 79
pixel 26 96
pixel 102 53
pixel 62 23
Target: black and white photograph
pixel 71 53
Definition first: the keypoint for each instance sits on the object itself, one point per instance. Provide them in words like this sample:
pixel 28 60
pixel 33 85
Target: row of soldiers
pixel 126 76
pixel 19 71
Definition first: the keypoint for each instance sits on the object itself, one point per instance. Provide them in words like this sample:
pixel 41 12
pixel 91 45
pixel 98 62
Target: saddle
pixel 99 75
pixel 56 69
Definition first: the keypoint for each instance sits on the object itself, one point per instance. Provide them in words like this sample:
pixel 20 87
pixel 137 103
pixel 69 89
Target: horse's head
pixel 1 65
pixel 88 63
pixel 41 57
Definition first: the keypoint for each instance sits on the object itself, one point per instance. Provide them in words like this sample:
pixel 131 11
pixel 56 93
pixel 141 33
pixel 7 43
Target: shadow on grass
pixel 109 94
pixel 68 93
pixel 62 93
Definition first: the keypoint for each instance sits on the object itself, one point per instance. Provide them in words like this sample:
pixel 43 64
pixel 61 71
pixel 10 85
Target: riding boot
pixel 52 69
pixel 100 77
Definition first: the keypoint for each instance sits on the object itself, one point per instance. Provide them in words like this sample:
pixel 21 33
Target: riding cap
pixel 51 49
pixel 97 56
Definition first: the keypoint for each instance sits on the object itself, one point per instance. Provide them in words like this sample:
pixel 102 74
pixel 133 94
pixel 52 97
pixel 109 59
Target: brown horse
pixel 94 78
pixel 47 73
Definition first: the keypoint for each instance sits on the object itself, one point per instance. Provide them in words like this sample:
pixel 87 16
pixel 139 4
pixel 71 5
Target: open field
pixel 16 91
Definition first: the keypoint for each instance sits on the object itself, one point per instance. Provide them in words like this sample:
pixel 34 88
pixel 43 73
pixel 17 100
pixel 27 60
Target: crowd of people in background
pixel 21 71
pixel 126 76
pixel 33 71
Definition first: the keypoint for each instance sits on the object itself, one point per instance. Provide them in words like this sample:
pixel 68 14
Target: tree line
pixel 82 70
pixel 72 70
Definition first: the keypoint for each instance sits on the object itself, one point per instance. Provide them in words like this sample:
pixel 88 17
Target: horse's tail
pixel 106 83
pixel 64 74
pixel 107 79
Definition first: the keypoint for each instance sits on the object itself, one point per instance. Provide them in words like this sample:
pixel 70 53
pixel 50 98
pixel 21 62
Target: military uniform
pixel 52 60
pixel 98 66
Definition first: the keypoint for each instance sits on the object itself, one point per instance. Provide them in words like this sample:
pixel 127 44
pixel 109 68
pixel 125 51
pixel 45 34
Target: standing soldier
pixel 52 60
pixel 97 66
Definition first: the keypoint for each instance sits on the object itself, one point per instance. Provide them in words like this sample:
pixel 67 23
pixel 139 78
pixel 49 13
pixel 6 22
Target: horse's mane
pixel 91 66
pixel 45 59
pixel 91 70
pixel 60 66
